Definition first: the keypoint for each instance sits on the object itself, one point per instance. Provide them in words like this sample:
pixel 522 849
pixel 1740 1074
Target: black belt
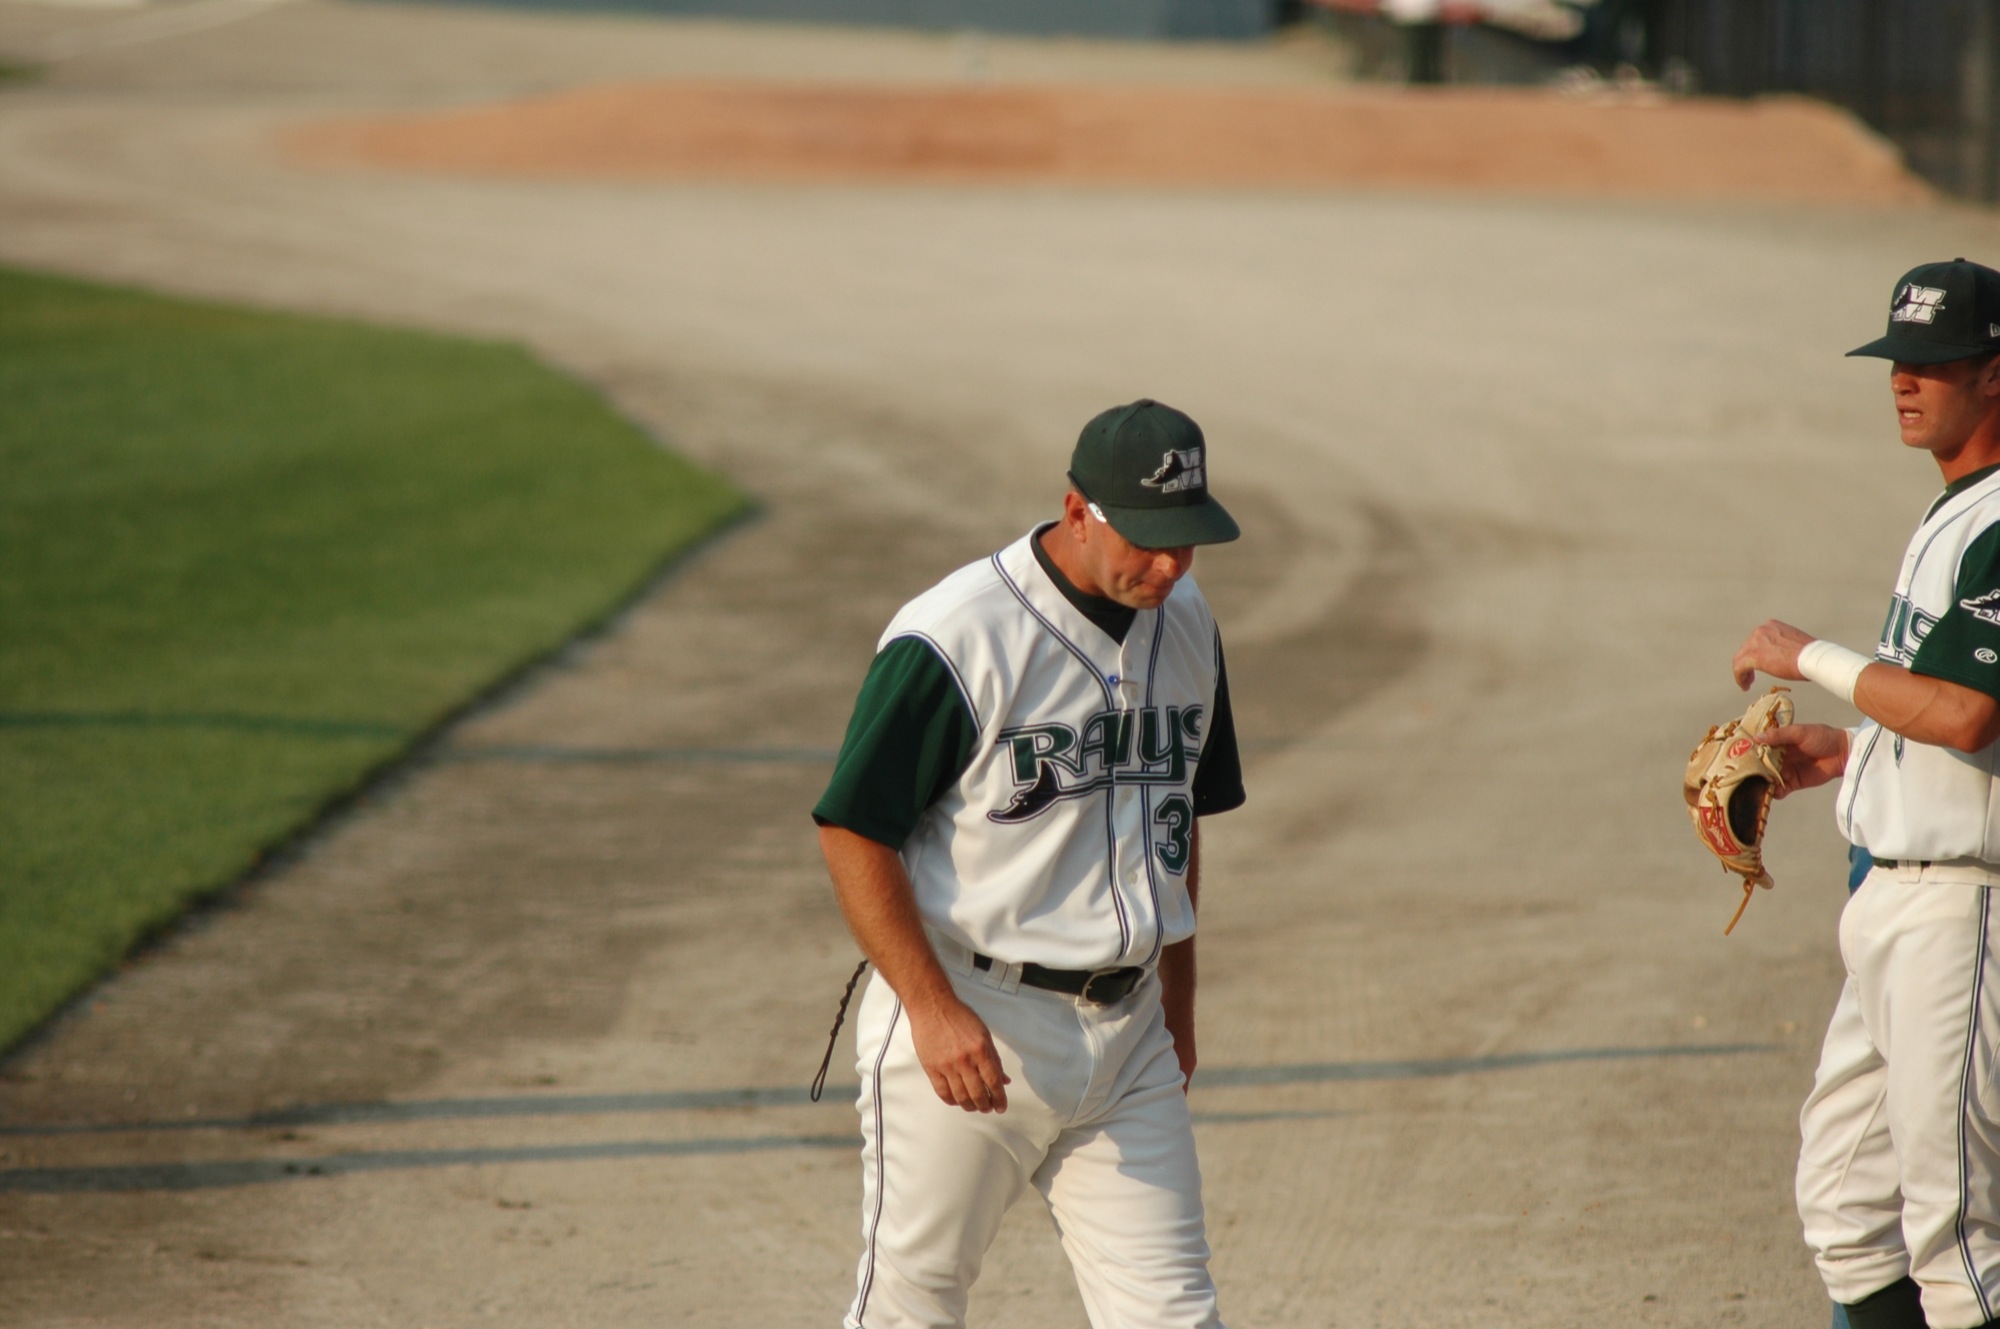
pixel 1098 986
pixel 1936 863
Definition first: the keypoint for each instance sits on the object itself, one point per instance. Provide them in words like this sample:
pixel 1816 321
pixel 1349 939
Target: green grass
pixel 247 558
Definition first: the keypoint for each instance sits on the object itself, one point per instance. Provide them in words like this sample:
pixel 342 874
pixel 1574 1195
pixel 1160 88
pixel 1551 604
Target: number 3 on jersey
pixel 1177 815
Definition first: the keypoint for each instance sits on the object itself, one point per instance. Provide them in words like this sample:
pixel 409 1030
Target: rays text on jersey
pixel 1904 630
pixel 1051 762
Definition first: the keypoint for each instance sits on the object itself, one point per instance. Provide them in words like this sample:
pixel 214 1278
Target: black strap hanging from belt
pixel 839 1018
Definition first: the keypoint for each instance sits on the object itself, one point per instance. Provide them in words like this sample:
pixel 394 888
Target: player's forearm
pixel 1177 985
pixel 1925 709
pixel 881 911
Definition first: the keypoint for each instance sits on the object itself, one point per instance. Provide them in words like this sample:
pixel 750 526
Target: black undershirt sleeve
pixel 910 739
pixel 1218 781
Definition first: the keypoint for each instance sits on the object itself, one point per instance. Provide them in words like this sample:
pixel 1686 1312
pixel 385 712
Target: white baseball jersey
pixel 1038 757
pixel 1065 838
pixel 1906 800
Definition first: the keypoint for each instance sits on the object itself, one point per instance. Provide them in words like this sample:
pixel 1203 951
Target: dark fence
pixel 1920 71
pixel 1210 19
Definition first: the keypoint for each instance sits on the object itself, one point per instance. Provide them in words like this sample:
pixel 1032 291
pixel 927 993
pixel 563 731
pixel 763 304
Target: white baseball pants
pixel 1899 1170
pixel 1096 1120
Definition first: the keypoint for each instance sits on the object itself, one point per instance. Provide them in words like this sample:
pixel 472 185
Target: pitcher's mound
pixel 1484 139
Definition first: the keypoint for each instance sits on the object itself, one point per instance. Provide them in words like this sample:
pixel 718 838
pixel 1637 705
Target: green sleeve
pixel 911 737
pixel 1218 781
pixel 1964 645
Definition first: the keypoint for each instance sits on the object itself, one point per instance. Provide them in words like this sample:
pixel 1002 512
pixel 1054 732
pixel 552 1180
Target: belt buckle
pixel 1105 986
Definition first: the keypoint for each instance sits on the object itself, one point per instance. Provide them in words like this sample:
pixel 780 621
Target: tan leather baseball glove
pixel 1731 779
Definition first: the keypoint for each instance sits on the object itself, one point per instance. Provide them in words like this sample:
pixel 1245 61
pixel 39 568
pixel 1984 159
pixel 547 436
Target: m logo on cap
pixel 1917 304
pixel 1178 470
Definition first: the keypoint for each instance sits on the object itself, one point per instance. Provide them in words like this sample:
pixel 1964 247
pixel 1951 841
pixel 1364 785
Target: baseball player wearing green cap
pixel 1012 828
pixel 1899 1165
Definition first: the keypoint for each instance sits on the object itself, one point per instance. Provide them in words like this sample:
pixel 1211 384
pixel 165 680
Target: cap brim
pixel 1918 351
pixel 1206 523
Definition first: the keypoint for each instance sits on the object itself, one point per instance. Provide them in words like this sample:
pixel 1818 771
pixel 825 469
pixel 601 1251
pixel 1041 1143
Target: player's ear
pixel 1989 375
pixel 1076 514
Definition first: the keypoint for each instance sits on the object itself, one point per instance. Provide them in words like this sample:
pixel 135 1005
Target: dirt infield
pixel 524 1039
pixel 1459 139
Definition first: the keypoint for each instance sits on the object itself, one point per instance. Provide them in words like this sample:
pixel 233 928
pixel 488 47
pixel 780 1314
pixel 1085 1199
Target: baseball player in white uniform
pixel 1899 1169
pixel 1012 830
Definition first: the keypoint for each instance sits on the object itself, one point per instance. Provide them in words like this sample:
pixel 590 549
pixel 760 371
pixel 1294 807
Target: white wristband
pixel 1833 667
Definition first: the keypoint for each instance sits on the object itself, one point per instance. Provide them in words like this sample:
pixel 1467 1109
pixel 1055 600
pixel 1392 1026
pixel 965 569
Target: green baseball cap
pixel 1941 312
pixel 1144 467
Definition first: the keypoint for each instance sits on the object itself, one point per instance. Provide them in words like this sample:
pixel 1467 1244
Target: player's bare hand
pixel 1772 649
pixel 956 1050
pixel 1814 754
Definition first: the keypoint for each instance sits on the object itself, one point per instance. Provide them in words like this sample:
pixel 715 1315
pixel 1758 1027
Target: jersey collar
pixel 1018 564
pixel 1112 619
pixel 1960 485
